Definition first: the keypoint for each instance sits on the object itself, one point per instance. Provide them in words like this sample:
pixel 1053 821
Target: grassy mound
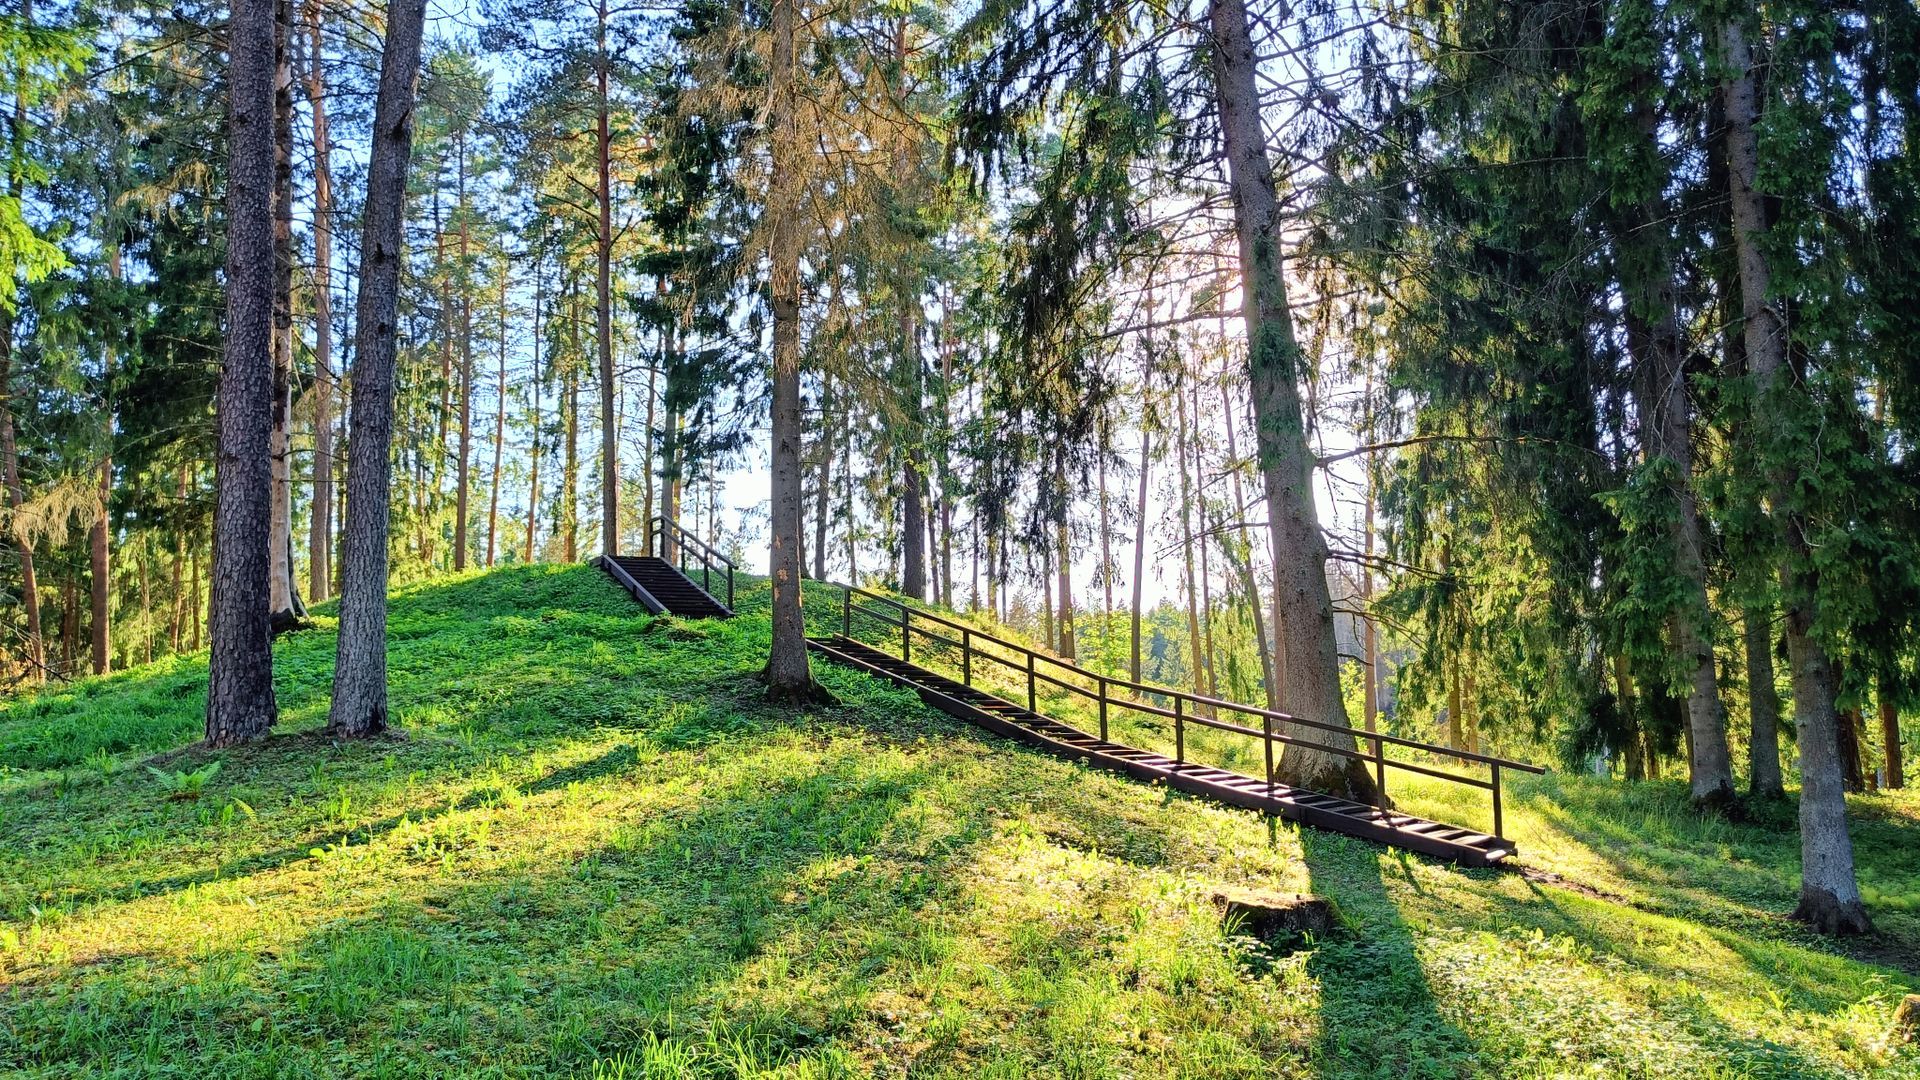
pixel 597 854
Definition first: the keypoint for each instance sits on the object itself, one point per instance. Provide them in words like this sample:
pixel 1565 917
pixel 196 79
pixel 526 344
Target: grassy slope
pixel 597 854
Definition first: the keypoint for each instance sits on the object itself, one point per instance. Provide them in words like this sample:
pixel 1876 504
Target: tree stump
pixel 1276 919
pixel 1906 1021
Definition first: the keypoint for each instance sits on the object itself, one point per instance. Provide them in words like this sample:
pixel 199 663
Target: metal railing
pixel 1186 708
pixel 672 543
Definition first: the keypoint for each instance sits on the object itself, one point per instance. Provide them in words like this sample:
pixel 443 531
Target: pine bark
pixel 1309 655
pixel 359 708
pixel 240 702
pixel 788 675
pixel 1829 892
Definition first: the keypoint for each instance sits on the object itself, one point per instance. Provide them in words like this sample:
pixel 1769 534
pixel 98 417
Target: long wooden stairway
pixel 663 586
pixel 963 699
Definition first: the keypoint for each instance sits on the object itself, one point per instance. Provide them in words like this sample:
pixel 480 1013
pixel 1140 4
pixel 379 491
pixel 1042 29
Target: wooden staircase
pixel 661 588
pixel 664 585
pixel 964 701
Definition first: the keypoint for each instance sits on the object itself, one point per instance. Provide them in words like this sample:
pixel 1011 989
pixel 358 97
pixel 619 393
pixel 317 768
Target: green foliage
pixel 183 785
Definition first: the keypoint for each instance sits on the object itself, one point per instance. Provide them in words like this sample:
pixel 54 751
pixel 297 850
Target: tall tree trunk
pixel 1106 550
pixel 1829 892
pixel 570 468
pixel 196 611
pixel 1370 628
pixel 359 708
pixel 463 467
pixel 1890 733
pixel 1309 654
pixel 9 448
pixel 499 425
pixel 177 612
pixel 99 536
pixel 1763 707
pixel 533 452
pixel 1063 564
pixel 1140 532
pixel 101 566
pixel 240 702
pixel 1659 351
pixel 17 497
pixel 320 525
pixel 283 605
pixel 603 288
pixel 1201 669
pixel 823 494
pixel 1250 581
pixel 788 675
pixel 913 554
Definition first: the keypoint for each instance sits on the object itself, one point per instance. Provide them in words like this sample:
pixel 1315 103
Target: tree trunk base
pixel 1347 778
pixel 1720 802
pixel 372 726
pixel 238 735
pixel 286 622
pixel 1825 913
pixel 797 697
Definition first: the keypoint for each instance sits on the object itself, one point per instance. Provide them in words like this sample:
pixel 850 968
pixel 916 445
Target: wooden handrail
pixel 709 558
pixel 1027 665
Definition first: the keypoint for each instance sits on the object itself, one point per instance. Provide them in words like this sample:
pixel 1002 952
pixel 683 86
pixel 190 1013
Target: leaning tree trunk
pixel 360 668
pixel 320 525
pixel 1659 349
pixel 1308 653
pixel 1829 892
pixel 240 703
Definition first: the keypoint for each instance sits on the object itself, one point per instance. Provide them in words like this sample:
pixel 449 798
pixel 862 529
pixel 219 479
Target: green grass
pixel 599 855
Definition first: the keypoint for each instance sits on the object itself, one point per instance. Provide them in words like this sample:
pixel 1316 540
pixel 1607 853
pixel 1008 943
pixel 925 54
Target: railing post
pixel 1030 697
pixel 1496 802
pixel 729 588
pixel 1179 730
pixel 846 612
pixel 1380 766
pixel 906 636
pixel 1266 728
pixel 1103 708
pixel 966 657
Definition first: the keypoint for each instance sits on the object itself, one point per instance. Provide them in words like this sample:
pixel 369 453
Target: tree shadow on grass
pixel 549 966
pixel 1378 1016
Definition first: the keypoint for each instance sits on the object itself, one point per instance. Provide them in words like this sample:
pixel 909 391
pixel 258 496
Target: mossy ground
pixel 598 854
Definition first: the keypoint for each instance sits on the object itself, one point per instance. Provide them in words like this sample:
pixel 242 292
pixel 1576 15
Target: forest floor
pixel 596 853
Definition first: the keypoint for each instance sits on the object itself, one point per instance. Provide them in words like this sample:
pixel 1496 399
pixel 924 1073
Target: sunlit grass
pixel 597 854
